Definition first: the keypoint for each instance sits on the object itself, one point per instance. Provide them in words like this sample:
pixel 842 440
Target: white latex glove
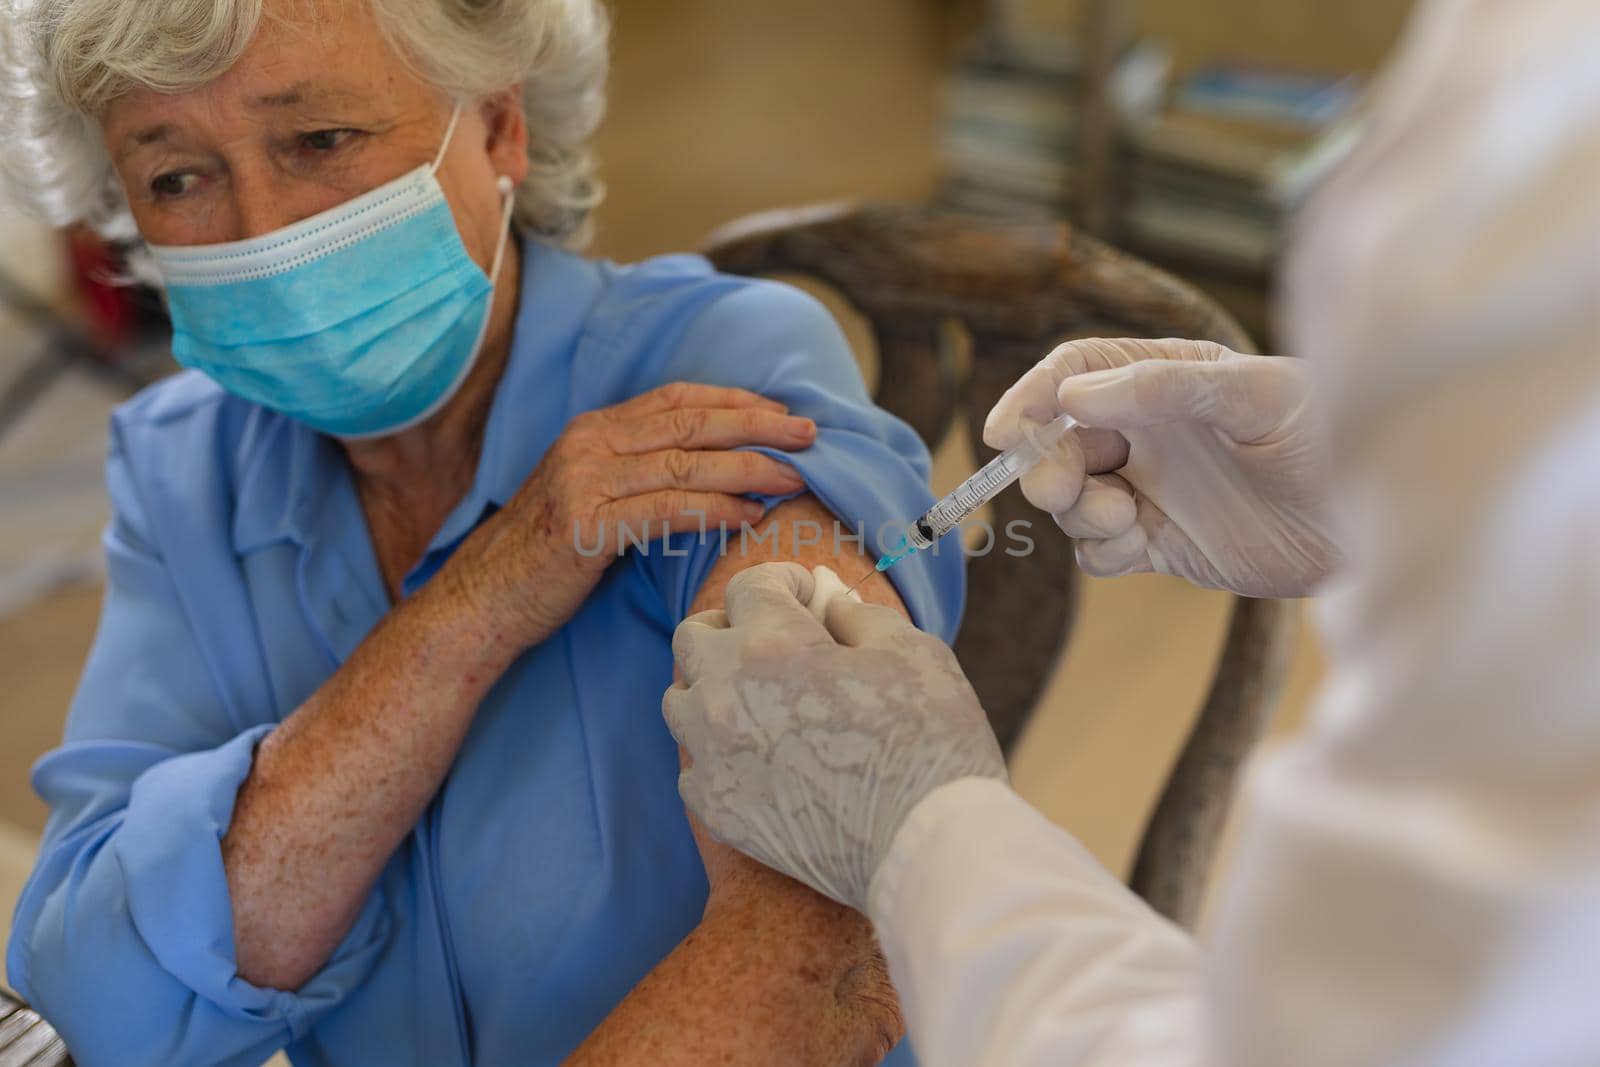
pixel 1220 477
pixel 811 741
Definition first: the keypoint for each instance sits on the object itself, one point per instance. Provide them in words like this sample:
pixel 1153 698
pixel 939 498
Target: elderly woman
pixel 367 760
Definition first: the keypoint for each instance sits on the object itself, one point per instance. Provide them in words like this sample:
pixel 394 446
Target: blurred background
pixel 1183 130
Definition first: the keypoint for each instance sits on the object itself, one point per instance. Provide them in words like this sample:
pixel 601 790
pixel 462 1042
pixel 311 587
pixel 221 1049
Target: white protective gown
pixel 1418 883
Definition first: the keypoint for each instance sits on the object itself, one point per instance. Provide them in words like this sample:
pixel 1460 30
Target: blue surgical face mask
pixel 361 321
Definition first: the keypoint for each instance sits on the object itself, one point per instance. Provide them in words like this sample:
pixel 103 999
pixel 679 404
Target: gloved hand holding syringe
pixel 991 480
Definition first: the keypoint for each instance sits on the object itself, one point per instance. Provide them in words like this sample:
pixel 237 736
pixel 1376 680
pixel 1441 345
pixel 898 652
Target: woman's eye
pixel 175 183
pixel 325 140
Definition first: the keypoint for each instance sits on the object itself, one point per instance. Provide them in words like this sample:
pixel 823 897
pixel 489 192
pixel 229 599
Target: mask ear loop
pixel 449 132
pixel 507 193
pixel 503 183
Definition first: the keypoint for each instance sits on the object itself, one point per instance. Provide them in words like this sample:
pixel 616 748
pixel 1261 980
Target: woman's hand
pixel 660 463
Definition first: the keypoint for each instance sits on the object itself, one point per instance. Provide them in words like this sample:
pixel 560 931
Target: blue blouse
pixel 555 867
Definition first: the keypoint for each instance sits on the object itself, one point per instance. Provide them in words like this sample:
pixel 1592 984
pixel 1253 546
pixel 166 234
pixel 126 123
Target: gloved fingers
pixel 1036 394
pixel 1263 396
pixel 695 643
pixel 703 725
pixel 774 597
pixel 1244 397
pixel 858 624
pixel 1103 450
pixel 692 790
pixel 1172 551
pixel 1032 398
pixel 1094 354
pixel 683 718
pixel 711 619
pixel 1152 544
pixel 1054 484
pixel 828 585
pixel 1105 509
pixel 1126 553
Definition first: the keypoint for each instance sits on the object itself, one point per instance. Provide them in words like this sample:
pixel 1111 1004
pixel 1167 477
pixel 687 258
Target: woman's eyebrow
pixel 300 93
pixel 148 135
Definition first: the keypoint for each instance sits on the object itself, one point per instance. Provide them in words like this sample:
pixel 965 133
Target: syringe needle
pixel 949 510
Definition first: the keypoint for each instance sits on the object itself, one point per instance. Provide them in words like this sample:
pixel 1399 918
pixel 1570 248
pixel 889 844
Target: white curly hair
pixel 61 61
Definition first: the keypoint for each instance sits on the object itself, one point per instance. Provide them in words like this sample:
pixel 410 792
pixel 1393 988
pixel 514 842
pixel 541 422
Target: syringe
pixel 976 491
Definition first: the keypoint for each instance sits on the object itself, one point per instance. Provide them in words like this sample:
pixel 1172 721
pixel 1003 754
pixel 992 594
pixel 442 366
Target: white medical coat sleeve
pixel 1011 945
pixel 1418 881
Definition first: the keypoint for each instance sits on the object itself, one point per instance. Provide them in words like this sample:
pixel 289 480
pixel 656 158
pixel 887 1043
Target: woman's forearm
pixel 336 788
pixel 786 978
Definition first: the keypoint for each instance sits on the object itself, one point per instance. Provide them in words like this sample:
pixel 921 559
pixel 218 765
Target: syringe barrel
pixel 990 480
pixel 920 535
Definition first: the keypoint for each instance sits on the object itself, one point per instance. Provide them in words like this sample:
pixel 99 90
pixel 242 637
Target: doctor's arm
pixel 852 753
pixel 774 972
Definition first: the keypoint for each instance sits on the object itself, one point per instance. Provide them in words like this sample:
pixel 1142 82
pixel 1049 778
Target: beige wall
pixel 724 107
pixel 1324 34
pixel 1332 34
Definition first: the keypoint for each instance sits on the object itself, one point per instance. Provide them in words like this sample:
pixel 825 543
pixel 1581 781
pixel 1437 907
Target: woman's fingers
pixel 691 395
pixel 697 428
pixel 705 472
pixel 650 515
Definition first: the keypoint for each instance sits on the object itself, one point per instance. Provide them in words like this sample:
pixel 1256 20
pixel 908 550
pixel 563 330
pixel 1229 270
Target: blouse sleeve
pixel 869 468
pixel 123 937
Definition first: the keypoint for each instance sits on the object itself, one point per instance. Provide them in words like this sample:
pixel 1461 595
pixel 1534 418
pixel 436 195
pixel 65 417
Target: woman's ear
pixel 506 124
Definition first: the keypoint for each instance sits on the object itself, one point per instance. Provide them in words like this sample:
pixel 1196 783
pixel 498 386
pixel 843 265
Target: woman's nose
pixel 257 213
pixel 264 202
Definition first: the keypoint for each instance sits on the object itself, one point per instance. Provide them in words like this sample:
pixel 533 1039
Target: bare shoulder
pixel 805 531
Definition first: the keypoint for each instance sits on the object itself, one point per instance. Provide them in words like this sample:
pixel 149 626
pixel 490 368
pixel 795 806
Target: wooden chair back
pixel 1019 289
pixel 27 1040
